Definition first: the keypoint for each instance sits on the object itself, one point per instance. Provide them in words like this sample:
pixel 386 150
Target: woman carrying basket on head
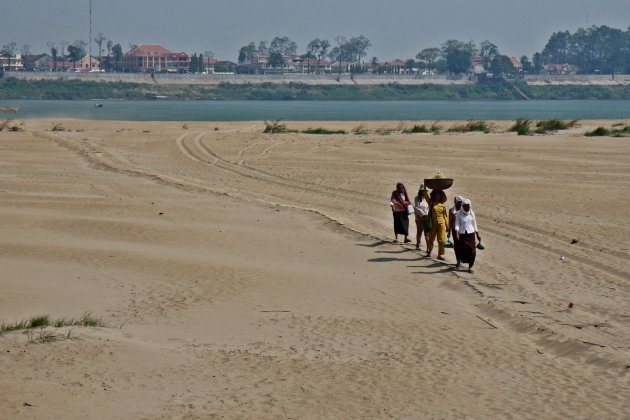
pixel 400 202
pixel 439 221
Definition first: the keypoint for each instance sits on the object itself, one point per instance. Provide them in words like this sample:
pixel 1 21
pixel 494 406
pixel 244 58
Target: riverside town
pixel 598 50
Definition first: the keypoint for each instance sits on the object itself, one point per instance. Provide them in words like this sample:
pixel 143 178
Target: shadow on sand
pixel 391 259
pixel 432 266
pixel 375 244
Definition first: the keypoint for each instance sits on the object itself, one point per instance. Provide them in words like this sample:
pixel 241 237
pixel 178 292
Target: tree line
pixel 343 50
pixel 75 51
pixel 598 49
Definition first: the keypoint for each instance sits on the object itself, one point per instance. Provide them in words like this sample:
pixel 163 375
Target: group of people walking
pixel 434 221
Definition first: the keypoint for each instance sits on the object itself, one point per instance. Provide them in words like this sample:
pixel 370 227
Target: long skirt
pixel 456 245
pixel 401 223
pixel 467 248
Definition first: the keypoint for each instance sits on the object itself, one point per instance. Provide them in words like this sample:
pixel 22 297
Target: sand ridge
pixel 250 275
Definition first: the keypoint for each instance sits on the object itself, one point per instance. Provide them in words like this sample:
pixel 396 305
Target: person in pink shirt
pixel 399 202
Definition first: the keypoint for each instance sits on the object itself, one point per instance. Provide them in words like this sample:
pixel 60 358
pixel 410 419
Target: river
pixel 169 110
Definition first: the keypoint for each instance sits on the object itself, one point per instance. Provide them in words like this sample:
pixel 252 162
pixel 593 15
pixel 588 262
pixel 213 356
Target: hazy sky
pixel 396 28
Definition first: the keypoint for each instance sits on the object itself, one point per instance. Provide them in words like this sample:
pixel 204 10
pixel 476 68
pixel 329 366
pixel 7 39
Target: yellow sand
pixel 245 275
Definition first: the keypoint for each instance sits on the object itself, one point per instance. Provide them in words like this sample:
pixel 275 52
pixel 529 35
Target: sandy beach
pixel 248 275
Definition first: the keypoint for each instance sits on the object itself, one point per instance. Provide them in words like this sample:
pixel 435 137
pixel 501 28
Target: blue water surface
pixel 169 110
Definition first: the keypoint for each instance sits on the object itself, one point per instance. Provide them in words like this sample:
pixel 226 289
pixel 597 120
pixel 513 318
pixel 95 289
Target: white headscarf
pixel 458 199
pixel 466 218
pixel 470 211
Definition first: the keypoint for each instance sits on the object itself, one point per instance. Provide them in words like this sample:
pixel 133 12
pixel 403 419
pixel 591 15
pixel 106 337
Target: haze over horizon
pixel 396 30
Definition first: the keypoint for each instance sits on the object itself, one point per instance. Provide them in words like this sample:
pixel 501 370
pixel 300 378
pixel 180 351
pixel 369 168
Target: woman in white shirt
pixel 421 207
pixel 452 215
pixel 465 231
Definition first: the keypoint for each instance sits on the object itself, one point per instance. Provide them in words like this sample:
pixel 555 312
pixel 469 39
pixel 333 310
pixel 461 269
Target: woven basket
pixel 438 183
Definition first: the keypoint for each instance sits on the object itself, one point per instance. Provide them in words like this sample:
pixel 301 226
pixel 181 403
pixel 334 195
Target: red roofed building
pixel 152 57
pixel 516 63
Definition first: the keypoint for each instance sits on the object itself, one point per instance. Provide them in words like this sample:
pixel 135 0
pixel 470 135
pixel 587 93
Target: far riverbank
pixel 12 88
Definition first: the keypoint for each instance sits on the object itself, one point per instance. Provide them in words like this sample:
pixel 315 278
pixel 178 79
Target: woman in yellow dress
pixel 439 219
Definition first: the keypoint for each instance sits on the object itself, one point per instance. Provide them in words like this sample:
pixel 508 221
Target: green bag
pixel 480 245
pixel 448 244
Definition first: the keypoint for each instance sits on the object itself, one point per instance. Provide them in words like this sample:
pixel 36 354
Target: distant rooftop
pixel 148 49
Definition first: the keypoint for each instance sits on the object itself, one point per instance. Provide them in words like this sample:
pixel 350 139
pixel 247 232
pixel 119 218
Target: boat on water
pixel 98 105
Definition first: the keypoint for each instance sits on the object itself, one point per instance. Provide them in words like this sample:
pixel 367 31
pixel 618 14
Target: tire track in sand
pixel 99 160
pixel 265 152
pixel 542 243
pixel 103 161
pixel 258 174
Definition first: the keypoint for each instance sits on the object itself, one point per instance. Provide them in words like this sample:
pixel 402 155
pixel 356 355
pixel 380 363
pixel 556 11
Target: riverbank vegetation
pixel 11 88
pixel 616 131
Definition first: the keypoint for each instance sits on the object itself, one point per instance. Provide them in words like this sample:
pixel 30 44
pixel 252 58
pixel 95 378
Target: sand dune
pixel 246 275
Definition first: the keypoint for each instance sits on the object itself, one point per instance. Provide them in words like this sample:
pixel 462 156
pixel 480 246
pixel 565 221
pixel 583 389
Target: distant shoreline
pixel 456 90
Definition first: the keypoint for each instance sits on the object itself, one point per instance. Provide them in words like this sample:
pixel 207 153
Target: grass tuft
pixel 436 127
pixel 360 130
pixel 87 320
pixel 42 321
pixel 275 127
pixel 39 321
pixel 61 322
pixel 471 126
pixel 598 132
pixel 417 129
pixel 384 131
pixel 521 127
pixel 20 325
pixel 57 127
pixel 544 126
pixel 322 131
pixel 614 132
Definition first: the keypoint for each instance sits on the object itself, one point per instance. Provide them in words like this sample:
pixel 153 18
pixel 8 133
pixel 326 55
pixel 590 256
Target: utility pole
pixel 90 57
